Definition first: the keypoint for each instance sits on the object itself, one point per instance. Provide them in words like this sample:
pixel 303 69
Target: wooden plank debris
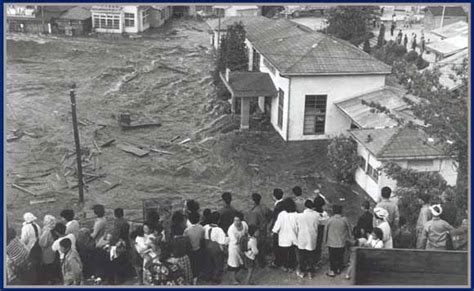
pixel 112 187
pixel 47 200
pixel 185 141
pixel 174 138
pixel 132 149
pixel 24 190
pixel 161 65
pixel 107 143
pixel 96 146
pixel 161 151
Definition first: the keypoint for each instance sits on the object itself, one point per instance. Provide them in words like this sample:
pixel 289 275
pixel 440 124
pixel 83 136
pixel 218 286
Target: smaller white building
pixel 237 10
pixel 410 148
pixel 127 18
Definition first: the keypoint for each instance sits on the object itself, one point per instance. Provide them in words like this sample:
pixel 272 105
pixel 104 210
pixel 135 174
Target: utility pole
pixel 442 15
pixel 219 35
pixel 42 18
pixel 72 94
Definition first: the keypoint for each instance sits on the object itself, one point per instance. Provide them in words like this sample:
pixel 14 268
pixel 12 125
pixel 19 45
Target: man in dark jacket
pixel 227 212
pixel 365 221
pixel 260 216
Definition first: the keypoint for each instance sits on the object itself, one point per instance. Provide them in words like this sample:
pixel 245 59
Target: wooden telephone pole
pixel 72 94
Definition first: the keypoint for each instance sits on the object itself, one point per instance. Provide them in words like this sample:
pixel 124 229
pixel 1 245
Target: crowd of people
pixel 198 249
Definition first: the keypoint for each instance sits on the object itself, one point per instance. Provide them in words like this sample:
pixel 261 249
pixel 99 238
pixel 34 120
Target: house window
pixel 270 67
pixel 281 98
pixel 373 173
pixel 420 165
pixel 315 114
pixel 129 20
pixel 362 163
pixel 256 61
pixel 145 16
pixel 106 21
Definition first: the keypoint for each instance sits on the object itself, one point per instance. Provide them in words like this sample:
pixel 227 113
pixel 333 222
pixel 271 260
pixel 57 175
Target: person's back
pixel 390 206
pixel 337 231
pixel 227 212
pixel 435 232
pixel 307 229
pixel 299 200
pixel 365 221
pixel 195 233
pixel 449 212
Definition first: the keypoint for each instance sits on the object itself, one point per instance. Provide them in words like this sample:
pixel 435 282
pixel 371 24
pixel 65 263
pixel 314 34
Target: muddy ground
pixel 165 76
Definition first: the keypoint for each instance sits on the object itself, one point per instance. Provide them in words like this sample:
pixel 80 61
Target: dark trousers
pixel 336 257
pixel 306 261
pixel 263 246
pixel 196 262
pixel 216 260
pixel 288 256
pixel 319 244
pixel 277 254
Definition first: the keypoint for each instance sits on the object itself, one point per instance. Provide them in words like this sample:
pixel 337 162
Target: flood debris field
pixel 163 77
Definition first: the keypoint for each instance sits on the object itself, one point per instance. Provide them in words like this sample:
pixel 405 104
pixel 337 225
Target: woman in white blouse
pixel 236 231
pixel 285 227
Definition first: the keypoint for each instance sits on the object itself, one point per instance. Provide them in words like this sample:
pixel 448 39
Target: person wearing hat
pixel 435 232
pixel 380 221
pixel 28 233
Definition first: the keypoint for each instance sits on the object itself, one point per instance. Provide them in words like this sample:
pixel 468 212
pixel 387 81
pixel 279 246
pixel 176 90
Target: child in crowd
pixel 251 253
pixel 71 264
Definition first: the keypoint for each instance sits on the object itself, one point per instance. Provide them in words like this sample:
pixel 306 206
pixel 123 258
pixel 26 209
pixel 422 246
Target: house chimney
pixel 369 138
pixel 227 72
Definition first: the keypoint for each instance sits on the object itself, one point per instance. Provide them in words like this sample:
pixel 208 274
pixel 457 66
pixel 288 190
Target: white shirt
pixel 140 245
pixel 252 248
pixel 278 201
pixel 73 227
pixel 235 258
pixel 387 235
pixel 28 236
pixel 285 227
pixel 307 229
pixel 56 248
pixel 323 217
pixel 217 234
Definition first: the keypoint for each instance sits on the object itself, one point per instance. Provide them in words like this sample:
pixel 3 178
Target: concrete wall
pixel 336 88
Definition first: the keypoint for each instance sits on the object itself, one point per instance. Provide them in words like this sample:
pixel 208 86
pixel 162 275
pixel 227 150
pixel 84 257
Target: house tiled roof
pixel 297 50
pixel 76 13
pixel 389 97
pixel 397 143
pixel 449 11
pixel 251 84
pixel 449 46
pixel 454 29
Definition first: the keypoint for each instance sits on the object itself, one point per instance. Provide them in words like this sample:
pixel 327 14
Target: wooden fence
pixel 410 267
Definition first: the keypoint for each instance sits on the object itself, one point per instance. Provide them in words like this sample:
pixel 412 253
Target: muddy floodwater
pixel 165 76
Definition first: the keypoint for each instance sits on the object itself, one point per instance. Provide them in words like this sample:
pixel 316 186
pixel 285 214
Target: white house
pixel 237 10
pixel 311 72
pixel 410 148
pixel 127 18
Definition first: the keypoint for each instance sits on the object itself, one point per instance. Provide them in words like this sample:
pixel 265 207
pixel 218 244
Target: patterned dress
pixel 168 273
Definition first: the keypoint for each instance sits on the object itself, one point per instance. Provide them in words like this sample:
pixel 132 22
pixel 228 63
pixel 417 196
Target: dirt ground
pixel 164 76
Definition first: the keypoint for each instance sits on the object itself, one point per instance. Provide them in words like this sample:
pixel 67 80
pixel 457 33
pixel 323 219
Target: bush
pixel 421 63
pixel 366 47
pixel 390 52
pixel 342 154
pixel 411 57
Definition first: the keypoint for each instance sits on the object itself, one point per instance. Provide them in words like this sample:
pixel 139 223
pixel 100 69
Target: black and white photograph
pixel 302 145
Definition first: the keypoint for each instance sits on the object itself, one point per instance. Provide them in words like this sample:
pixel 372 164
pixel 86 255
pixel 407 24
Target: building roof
pixel 76 13
pixel 250 84
pixel 397 143
pixel 446 69
pixel 454 29
pixel 227 21
pixel 236 7
pixel 297 50
pixel 449 11
pixel 449 46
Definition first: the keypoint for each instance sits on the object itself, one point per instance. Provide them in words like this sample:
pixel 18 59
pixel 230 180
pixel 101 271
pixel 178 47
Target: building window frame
pixel 129 19
pixel 106 21
pixel 373 173
pixel 145 16
pixel 315 109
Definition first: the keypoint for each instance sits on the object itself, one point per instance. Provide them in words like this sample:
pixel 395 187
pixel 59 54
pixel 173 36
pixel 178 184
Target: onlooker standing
pixel 251 253
pixel 227 212
pixel 260 216
pixel 380 219
pixel 50 261
pixel 195 233
pixel 399 37
pixel 366 220
pixel 60 231
pixel 285 227
pixel 306 234
pixel 277 208
pixel 404 239
pixel 450 211
pixel 71 264
pixel 121 229
pixel 338 231
pixel 72 225
pixel 413 42
pixel 206 217
pixel 391 207
pixel 423 218
pixel 85 246
pixel 17 255
pixel 405 40
pixel 436 231
pixel 120 235
pixel 216 241
pixel 392 28
pixel 299 200
pixel 323 217
pixel 30 234
pixel 138 251
pixel 236 232
pixel 100 224
pixel 181 247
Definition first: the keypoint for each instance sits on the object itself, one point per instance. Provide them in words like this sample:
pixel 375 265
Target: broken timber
pixel 107 143
pixel 135 126
pixel 161 151
pixel 112 187
pixel 47 200
pixel 133 149
pixel 24 189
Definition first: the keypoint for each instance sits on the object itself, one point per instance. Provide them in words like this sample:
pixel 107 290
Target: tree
pixel 367 48
pixel 390 52
pixel 350 22
pixel 381 37
pixel 342 154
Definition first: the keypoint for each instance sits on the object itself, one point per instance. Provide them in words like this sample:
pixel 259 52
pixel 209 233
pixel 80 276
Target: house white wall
pixel 336 88
pixel 239 11
pixel 139 24
pixel 446 167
